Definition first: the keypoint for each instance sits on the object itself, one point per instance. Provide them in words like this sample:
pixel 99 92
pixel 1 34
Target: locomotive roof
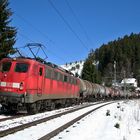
pixel 39 60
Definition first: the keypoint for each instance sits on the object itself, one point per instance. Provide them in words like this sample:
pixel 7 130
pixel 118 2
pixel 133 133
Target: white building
pixel 129 82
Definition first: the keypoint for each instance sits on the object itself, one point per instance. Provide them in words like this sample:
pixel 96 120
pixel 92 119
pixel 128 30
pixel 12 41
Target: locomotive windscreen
pixel 21 67
pixel 5 66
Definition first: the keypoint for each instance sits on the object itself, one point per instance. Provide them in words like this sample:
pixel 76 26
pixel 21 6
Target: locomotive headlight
pixel 21 86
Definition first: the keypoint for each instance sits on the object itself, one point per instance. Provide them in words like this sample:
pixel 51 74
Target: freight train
pixel 38 85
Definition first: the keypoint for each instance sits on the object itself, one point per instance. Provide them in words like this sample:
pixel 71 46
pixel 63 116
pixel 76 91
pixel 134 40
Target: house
pixel 129 82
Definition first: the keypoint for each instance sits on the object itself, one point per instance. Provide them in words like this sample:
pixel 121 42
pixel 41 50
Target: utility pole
pixel 124 81
pixel 114 73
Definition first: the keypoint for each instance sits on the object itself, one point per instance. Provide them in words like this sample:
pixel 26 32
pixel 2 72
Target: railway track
pixel 13 117
pixel 23 126
pixel 65 126
pixel 16 116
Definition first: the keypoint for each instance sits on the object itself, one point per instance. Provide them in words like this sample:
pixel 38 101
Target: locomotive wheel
pixel 9 109
pixel 4 109
pixel 38 106
pixel 32 108
pixel 52 106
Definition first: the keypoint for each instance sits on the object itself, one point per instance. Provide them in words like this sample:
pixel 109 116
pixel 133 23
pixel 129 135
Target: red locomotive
pixel 34 84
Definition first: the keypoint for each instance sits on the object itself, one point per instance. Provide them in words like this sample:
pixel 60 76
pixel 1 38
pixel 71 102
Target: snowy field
pixel 38 131
pixel 113 122
pixel 118 121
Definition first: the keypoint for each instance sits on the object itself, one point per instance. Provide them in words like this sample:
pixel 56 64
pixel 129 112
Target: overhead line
pixel 68 25
pixel 55 54
pixel 35 28
pixel 77 20
pixel 24 36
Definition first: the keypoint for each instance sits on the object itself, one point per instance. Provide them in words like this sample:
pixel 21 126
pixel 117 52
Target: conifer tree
pixel 7 33
pixel 90 71
pixel 125 51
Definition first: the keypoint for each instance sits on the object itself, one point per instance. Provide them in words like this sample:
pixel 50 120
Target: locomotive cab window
pixel 5 66
pixel 21 67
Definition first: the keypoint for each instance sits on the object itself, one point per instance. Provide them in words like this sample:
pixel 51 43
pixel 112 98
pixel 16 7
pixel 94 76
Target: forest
pixel 120 57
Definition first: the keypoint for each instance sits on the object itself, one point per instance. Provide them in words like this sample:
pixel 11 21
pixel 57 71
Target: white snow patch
pixel 75 67
pixel 98 126
pixel 38 131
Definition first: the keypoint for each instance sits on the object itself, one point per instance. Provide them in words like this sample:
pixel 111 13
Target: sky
pixel 69 29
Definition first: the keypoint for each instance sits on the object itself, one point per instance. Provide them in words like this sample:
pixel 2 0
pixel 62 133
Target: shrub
pixel 108 113
pixel 117 125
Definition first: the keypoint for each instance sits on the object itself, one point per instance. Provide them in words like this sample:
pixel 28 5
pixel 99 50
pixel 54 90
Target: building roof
pixel 128 80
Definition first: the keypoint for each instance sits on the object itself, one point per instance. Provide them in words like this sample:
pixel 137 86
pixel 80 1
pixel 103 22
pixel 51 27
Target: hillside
pixel 74 67
pixel 123 53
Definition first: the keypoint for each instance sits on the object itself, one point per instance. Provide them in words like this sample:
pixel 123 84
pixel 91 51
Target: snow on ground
pixel 118 121
pixel 38 131
pixel 4 116
pixel 98 126
pixel 26 119
pixel 74 67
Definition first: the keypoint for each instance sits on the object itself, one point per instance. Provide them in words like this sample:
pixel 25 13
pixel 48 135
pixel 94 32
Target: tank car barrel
pixel 92 90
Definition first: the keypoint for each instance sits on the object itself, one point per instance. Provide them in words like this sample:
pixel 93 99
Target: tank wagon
pixel 37 85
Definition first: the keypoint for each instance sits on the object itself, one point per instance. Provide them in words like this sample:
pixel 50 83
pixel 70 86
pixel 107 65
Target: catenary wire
pixel 27 38
pixel 80 25
pixel 68 25
pixel 34 27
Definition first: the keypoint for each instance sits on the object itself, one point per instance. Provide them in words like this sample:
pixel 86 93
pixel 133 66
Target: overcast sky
pixel 70 28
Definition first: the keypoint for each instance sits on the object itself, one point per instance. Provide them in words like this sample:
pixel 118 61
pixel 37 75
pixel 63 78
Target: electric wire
pixel 54 54
pixel 68 25
pixel 34 27
pixel 80 25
